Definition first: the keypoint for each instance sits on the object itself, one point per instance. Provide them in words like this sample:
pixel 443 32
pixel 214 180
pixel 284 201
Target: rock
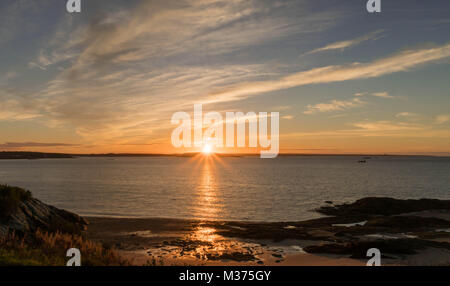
pixel 407 222
pixel 235 256
pixel 358 249
pixel 321 234
pixel 384 206
pixel 32 214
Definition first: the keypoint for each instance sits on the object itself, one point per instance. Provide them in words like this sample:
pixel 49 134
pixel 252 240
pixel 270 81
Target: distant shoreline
pixel 8 155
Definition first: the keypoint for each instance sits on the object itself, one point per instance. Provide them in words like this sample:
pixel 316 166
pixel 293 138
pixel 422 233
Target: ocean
pixel 287 188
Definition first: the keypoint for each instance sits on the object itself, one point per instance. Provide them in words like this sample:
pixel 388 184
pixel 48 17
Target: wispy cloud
pixel 118 77
pixel 17 106
pixel 334 105
pixel 33 65
pixel 160 31
pixel 443 118
pixel 406 114
pixel 146 59
pixel 342 45
pixel 387 126
pixel 381 128
pixel 70 97
pixel 383 94
pixel 399 62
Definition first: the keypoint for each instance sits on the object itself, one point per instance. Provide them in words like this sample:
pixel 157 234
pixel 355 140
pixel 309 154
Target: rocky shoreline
pixel 401 229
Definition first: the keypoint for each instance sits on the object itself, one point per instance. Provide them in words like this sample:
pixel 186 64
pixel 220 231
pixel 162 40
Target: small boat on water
pixel 362 161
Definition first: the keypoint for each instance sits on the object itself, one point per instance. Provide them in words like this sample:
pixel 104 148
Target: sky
pixel 110 78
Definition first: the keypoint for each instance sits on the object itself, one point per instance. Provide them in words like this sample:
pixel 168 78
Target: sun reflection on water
pixel 207 191
pixel 207 208
pixel 205 243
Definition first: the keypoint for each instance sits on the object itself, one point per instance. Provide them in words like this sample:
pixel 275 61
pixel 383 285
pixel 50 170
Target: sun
pixel 207 149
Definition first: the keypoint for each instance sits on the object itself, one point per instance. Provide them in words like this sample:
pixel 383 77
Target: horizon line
pixel 430 154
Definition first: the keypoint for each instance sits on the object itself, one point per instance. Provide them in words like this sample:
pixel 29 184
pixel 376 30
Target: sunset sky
pixel 108 79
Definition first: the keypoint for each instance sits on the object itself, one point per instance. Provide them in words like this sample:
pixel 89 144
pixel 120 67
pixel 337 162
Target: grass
pixel 49 249
pixel 10 199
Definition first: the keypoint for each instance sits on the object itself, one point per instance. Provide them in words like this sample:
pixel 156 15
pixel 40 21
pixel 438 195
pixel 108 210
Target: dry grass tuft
pixel 49 249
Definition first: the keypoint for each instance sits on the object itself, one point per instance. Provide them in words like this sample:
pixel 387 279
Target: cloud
pixel 102 111
pixel 342 45
pixel 334 105
pixel 381 128
pixel 406 115
pixel 400 62
pixel 17 106
pixel 12 145
pixel 441 119
pixel 288 117
pixel 387 126
pixel 383 94
pixel 124 73
pixel 362 133
pixel 32 65
pixel 160 30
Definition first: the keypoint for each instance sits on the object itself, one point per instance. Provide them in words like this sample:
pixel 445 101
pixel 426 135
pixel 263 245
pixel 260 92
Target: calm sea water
pixel 238 188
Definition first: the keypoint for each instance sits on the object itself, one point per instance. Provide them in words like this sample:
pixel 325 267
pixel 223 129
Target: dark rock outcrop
pixel 407 222
pixel 384 206
pixel 358 249
pixel 32 214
